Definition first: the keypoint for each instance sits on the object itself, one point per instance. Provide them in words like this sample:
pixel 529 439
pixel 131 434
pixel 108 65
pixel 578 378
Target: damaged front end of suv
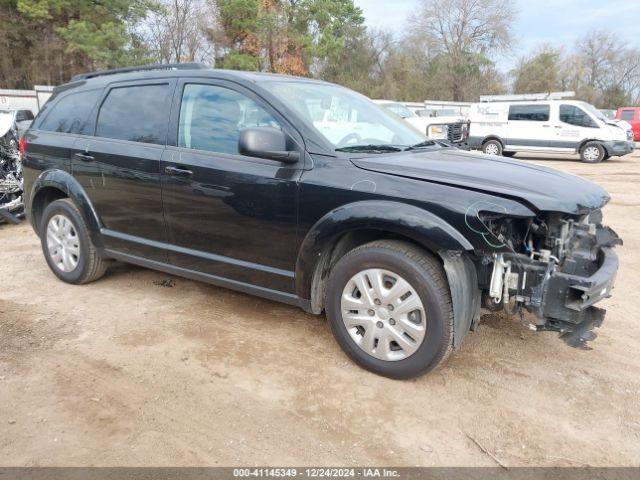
pixel 555 266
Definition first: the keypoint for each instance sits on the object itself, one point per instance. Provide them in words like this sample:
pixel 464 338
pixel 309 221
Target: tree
pixel 176 31
pixel 604 70
pixel 539 73
pixel 461 36
pixel 72 36
pixel 296 37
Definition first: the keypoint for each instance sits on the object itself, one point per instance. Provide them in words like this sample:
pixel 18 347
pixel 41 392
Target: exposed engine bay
pixel 555 266
pixel 11 186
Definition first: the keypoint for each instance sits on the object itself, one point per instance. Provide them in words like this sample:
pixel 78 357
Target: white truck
pixel 453 129
pixel 549 123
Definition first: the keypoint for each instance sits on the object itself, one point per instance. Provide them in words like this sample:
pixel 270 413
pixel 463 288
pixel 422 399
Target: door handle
pixel 546 126
pixel 558 126
pixel 178 172
pixel 85 157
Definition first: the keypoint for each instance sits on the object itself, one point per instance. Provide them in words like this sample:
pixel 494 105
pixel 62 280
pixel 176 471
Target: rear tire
pixel 492 147
pixel 374 322
pixel 67 246
pixel 592 152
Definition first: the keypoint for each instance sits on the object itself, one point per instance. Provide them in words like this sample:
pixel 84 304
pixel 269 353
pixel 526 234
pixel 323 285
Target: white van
pixel 550 126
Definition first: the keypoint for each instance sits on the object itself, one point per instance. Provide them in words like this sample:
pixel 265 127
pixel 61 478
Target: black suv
pixel 308 193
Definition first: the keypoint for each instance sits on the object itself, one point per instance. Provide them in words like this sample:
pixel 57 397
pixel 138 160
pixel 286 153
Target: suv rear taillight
pixel 22 147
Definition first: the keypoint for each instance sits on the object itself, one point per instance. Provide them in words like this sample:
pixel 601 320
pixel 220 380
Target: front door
pixel 119 167
pixel 573 126
pixel 228 215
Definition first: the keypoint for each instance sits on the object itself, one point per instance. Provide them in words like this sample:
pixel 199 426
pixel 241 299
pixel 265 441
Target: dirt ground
pixel 135 370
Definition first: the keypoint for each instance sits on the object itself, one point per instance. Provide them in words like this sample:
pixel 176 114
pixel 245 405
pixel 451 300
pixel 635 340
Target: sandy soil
pixel 126 371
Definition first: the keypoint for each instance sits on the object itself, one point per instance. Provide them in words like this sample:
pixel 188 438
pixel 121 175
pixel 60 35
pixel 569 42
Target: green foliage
pixel 72 36
pixel 286 36
pixel 539 73
pixel 240 61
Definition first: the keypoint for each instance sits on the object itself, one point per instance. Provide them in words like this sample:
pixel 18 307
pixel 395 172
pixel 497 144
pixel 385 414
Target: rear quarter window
pixel 137 113
pixel 70 113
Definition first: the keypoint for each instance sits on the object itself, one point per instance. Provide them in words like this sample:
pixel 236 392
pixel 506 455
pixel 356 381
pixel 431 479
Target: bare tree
pixel 464 34
pixel 604 70
pixel 176 32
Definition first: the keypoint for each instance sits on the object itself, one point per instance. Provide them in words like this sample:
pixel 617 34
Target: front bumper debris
pixel 560 287
pixel 619 148
pixel 567 302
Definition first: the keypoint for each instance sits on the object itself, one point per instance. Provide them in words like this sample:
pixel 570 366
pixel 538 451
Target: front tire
pixel 67 246
pixel 492 147
pixel 389 308
pixel 592 152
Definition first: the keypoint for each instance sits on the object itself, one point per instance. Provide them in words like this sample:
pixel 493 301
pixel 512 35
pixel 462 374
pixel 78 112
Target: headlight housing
pixel 437 132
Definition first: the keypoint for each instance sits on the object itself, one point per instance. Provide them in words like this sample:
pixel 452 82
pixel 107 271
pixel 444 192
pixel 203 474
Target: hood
pixel 543 188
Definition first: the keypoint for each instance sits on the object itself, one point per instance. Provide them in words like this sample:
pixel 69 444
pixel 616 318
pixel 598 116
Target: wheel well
pixel 589 140
pixel 497 139
pixel 335 249
pixel 44 197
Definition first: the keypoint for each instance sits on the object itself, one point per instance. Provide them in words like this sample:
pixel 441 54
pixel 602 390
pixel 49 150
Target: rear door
pixel 228 215
pixel 529 127
pixel 119 166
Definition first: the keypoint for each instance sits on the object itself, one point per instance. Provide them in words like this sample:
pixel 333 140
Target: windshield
pixel 593 111
pixel 610 114
pixel 398 109
pixel 345 118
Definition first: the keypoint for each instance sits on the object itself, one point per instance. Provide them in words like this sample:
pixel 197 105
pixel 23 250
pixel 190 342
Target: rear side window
pixel 136 113
pixel 212 117
pixel 531 113
pixel 576 116
pixel 627 114
pixel 70 113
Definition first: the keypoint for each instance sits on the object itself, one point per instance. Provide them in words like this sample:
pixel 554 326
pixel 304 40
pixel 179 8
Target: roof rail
pixel 141 68
pixel 529 97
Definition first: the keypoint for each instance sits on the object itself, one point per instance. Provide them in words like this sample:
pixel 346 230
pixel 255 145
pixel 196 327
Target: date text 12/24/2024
pixel 315 473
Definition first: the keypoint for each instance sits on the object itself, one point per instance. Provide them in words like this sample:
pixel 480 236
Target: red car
pixel 632 116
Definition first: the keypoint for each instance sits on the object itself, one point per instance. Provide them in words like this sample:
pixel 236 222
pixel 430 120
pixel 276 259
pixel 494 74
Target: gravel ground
pixel 141 368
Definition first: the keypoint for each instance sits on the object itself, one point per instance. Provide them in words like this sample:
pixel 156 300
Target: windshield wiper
pixel 426 143
pixel 369 148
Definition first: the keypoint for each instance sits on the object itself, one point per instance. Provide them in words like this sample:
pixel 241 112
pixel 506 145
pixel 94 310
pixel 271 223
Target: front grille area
pixel 455 132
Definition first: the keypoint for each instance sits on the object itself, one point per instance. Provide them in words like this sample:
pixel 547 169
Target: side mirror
pixel 266 142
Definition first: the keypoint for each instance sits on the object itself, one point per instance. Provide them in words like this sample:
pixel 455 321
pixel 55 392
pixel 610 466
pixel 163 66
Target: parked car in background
pixel 608 114
pixel 631 115
pixel 454 129
pixel 15 122
pixel 307 193
pixel 556 126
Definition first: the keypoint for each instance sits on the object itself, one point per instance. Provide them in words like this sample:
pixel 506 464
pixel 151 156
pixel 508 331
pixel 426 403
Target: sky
pixel 557 22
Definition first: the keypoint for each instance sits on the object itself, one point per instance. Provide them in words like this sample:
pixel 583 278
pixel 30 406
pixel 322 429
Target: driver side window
pixel 211 118
pixel 575 116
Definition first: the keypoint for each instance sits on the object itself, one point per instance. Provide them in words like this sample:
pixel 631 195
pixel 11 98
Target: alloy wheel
pixel 491 149
pixel 591 153
pixel 383 314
